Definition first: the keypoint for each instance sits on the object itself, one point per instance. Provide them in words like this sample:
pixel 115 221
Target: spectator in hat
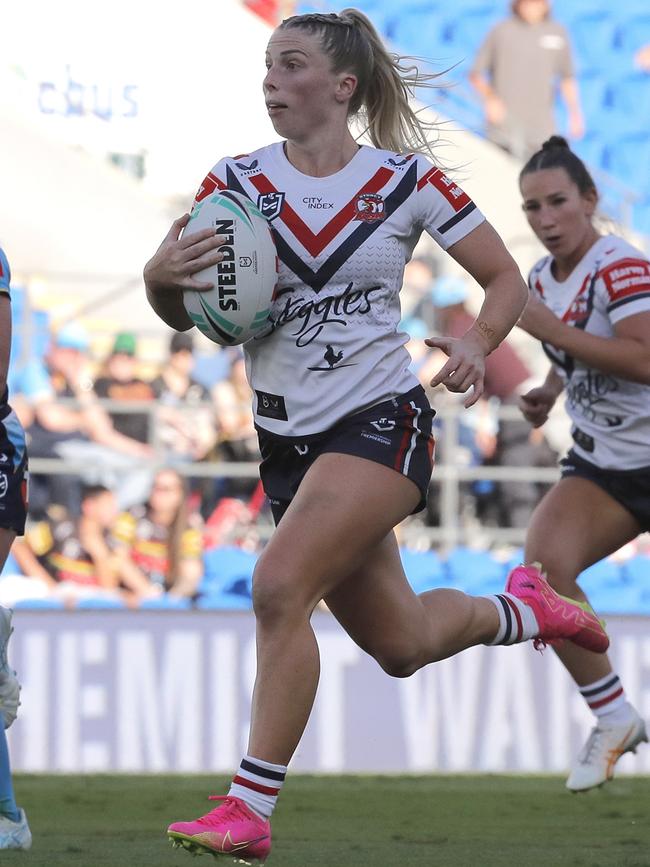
pixel 67 422
pixel 120 382
pixel 519 66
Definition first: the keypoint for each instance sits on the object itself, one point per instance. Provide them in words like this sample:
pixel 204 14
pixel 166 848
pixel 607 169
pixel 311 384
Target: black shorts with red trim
pixel 13 472
pixel 395 433
pixel 630 488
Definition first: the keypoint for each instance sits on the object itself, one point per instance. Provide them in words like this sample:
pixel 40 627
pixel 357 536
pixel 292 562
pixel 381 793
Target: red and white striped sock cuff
pixel 516 620
pixel 258 783
pixel 604 696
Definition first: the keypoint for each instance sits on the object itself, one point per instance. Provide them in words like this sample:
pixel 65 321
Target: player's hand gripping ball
pixel 245 279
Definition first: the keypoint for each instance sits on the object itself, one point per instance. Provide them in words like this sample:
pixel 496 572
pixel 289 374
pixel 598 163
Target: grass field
pixel 444 821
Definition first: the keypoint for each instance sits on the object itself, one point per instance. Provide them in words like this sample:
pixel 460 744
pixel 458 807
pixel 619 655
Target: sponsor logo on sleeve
pixel 626 278
pixel 456 196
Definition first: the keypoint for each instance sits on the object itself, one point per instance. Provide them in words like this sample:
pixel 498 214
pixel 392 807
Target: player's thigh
pixel 345 506
pixel 378 608
pixel 576 524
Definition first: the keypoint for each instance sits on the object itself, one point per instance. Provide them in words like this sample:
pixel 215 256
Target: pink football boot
pixel 231 829
pixel 557 616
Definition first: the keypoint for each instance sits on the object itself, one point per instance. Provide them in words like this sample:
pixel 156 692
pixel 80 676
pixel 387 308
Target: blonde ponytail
pixel 385 82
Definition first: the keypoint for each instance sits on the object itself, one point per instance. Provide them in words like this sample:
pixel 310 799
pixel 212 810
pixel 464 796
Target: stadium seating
pixel 222 600
pixel 605 574
pixel 636 571
pixel 594 94
pixel 634 32
pixel 425 570
pixel 630 157
pixel 613 587
pixel 166 603
pixel 227 570
pixel 46 604
pixel 641 215
pixel 103 602
pixel 628 101
pixel 410 30
pixel 476 572
pixel 592 34
pixel 594 151
pixel 464 33
pixel 605 37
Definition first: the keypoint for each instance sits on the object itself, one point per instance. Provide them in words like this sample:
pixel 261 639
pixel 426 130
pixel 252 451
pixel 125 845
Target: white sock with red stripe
pixel 258 784
pixel 516 620
pixel 607 701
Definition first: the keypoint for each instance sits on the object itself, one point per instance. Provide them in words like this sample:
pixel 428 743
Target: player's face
pixel 302 93
pixel 558 213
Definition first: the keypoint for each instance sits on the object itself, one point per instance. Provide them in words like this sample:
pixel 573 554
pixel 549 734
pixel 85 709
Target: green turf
pixel 461 821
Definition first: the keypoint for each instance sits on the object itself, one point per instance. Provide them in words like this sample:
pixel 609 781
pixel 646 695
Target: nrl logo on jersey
pixel 369 207
pixel 270 204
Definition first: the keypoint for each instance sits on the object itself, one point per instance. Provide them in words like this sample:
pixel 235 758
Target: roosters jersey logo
pixel 369 207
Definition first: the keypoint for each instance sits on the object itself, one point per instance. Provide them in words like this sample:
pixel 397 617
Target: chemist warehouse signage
pixel 154 691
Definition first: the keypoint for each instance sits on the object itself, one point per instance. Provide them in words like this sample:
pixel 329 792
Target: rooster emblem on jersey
pixel 331 357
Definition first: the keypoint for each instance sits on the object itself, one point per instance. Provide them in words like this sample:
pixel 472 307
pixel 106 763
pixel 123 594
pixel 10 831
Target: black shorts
pixel 630 488
pixel 395 433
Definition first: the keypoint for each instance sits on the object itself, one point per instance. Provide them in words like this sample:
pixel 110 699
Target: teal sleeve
pixel 5 274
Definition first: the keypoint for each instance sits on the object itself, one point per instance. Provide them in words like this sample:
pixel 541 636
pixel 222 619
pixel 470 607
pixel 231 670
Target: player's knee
pixel 276 600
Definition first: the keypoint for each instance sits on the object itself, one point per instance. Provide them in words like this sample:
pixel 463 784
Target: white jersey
pixel 333 346
pixel 610 415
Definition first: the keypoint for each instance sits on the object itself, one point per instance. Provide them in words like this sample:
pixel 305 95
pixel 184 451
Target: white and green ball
pixel 245 279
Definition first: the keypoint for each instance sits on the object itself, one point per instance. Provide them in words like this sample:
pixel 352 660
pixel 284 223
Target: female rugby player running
pixel 590 307
pixel 344 427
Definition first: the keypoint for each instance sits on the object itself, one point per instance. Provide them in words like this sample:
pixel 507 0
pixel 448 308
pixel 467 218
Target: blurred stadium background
pixel 112 114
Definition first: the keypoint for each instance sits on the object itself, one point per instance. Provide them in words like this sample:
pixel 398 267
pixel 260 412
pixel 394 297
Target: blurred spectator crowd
pixel 123 506
pixel 126 501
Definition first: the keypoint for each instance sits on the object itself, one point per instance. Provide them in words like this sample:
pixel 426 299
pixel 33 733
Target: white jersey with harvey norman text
pixel 333 346
pixel 611 416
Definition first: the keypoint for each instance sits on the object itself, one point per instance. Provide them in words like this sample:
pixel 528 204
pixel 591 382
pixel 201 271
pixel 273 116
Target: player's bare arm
pixel 626 354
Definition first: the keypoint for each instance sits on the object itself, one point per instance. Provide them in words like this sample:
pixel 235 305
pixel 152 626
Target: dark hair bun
pixel 556 141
